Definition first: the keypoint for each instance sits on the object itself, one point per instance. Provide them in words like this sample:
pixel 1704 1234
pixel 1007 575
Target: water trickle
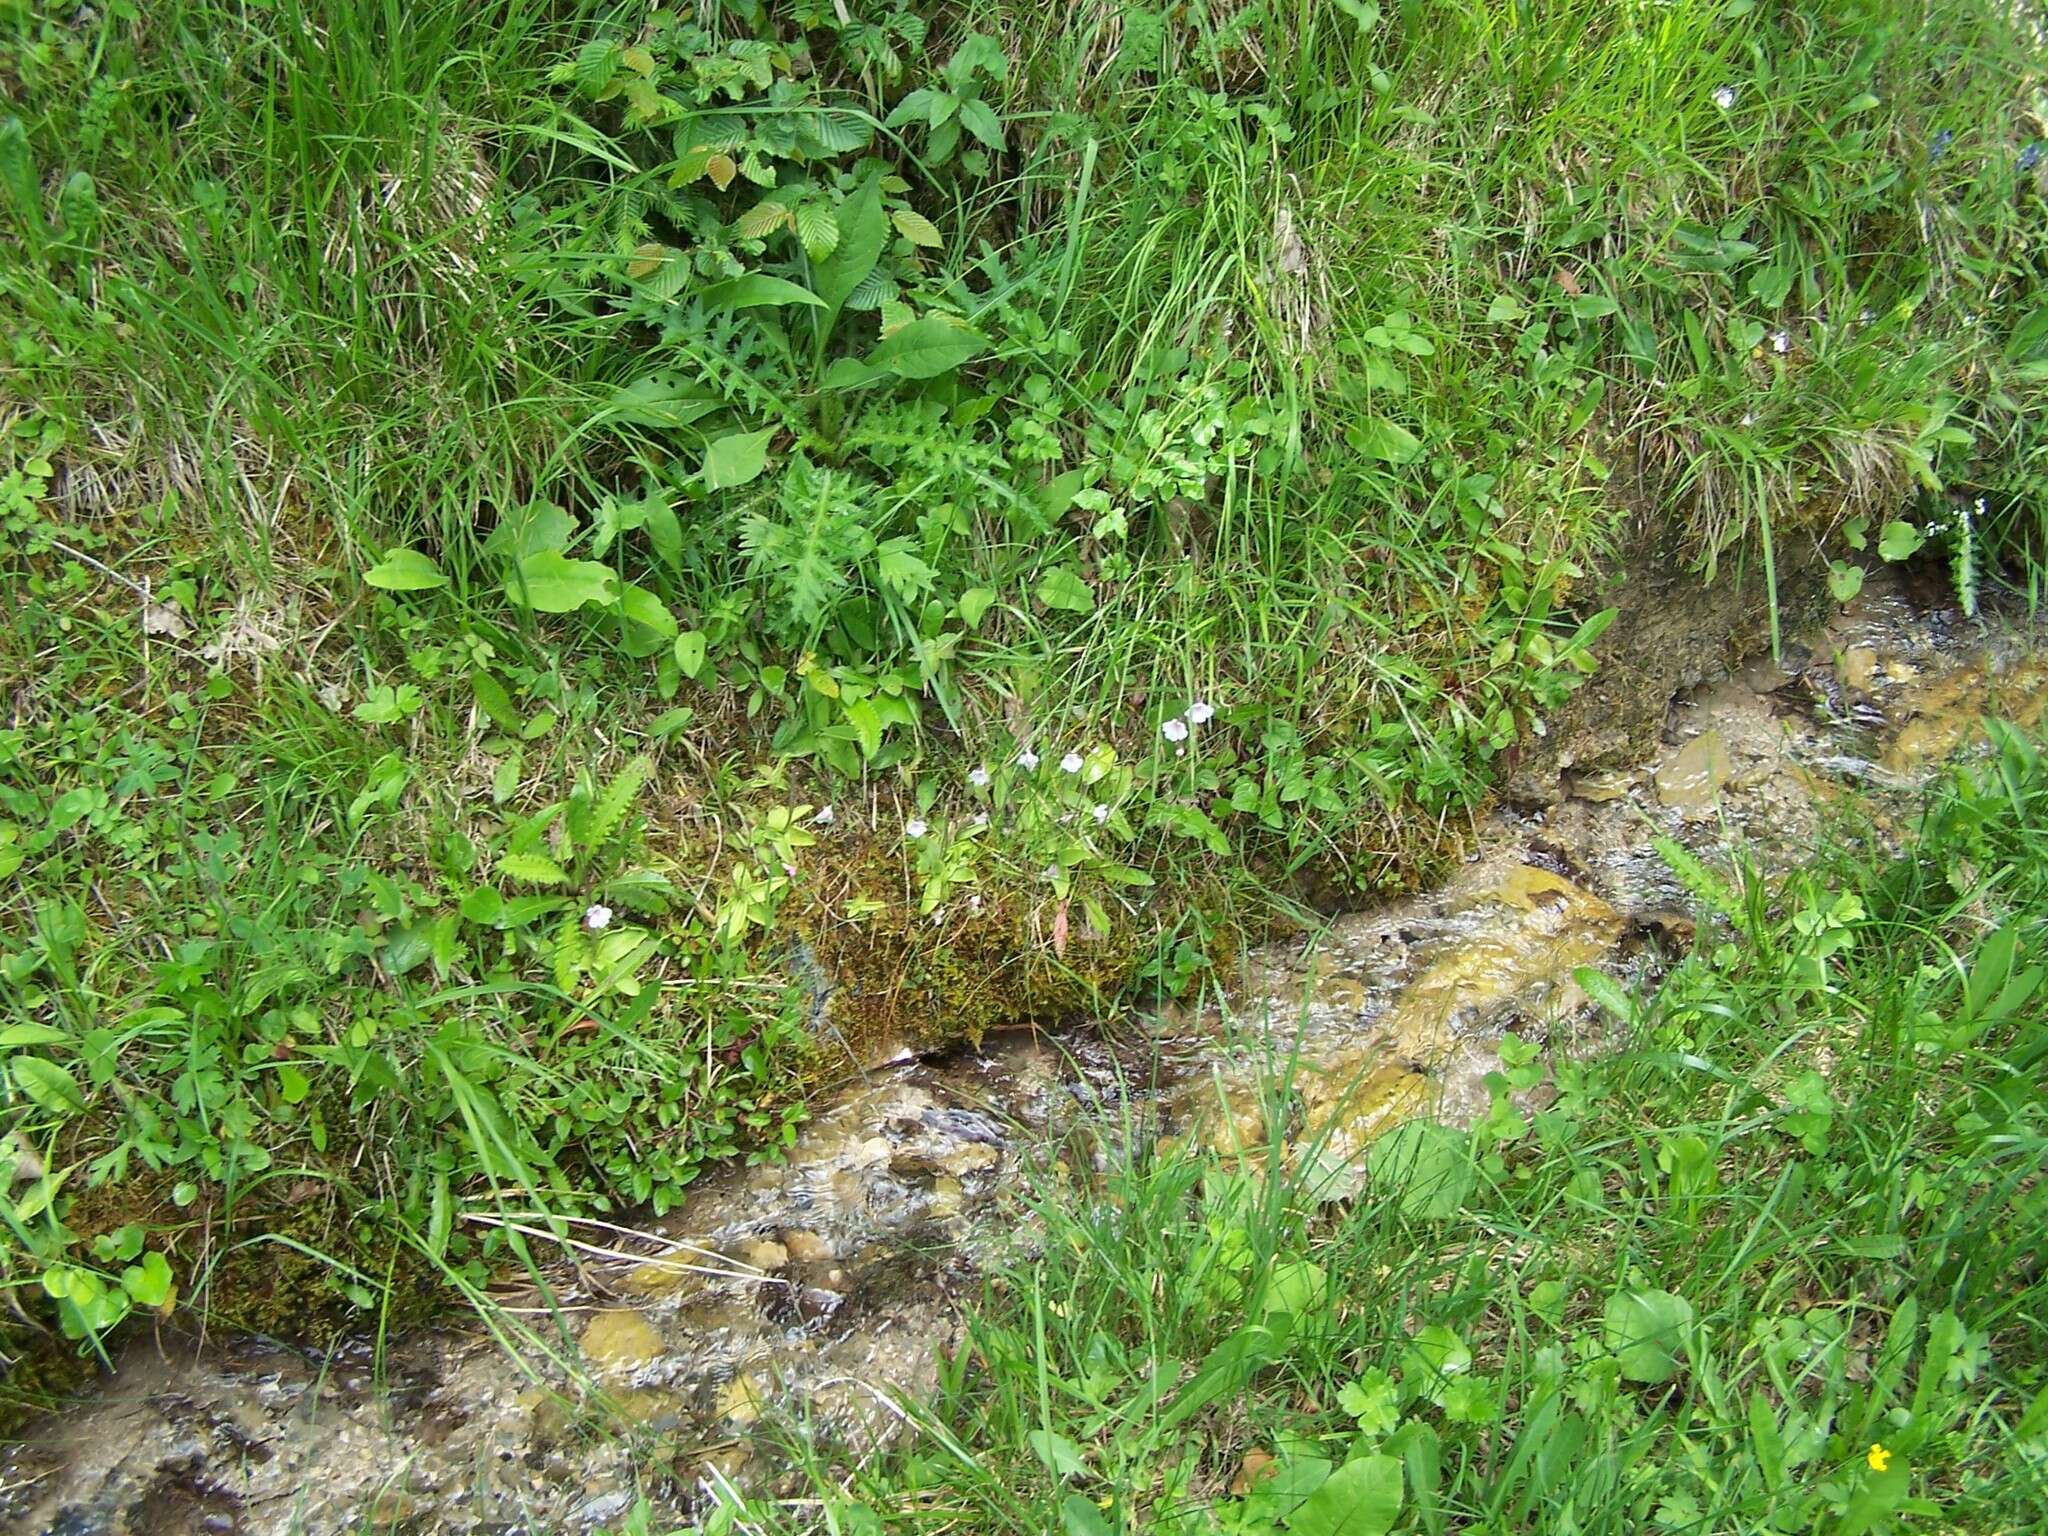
pixel 813 1291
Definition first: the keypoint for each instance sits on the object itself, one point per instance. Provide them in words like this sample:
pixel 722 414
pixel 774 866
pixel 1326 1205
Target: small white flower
pixel 1749 418
pixel 978 777
pixel 915 827
pixel 1201 712
pixel 1175 729
pixel 824 816
pixel 974 903
pixel 1781 341
pixel 1101 814
pixel 1180 751
pixel 597 917
pixel 981 818
pixel 789 869
pixel 1050 872
pixel 1027 759
pixel 1724 98
pixel 1867 316
pixel 1071 763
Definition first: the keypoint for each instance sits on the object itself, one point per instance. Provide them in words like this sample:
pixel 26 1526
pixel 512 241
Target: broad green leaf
pixel 1427 1167
pixel 1844 581
pixel 690 651
pixel 149 1282
pixel 47 1085
pixel 405 570
pixel 916 228
pixel 649 626
pixel 551 582
pixel 756 290
pixel 528 530
pixel 1646 1332
pixel 1387 441
pixel 1295 1287
pixel 736 459
pixel 1604 991
pixel 863 232
pixel 974 604
pixel 1080 1516
pixel 533 868
pixel 1061 588
pixel 1061 1456
pixel 1434 1355
pixel 1361 1498
pixel 1899 541
pixel 17 1035
pixel 495 702
pixel 660 400
pixel 926 348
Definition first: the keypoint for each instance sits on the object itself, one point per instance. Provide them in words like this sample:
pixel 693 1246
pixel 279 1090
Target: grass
pixel 529 531
pixel 1770 1267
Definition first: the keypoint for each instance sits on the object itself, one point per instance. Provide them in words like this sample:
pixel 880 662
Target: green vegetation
pixel 1773 1268
pixel 537 538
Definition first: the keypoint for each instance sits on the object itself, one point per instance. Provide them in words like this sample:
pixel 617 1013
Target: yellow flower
pixel 1879 1458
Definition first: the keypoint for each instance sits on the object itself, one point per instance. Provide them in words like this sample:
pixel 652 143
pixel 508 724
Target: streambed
pixel 813 1292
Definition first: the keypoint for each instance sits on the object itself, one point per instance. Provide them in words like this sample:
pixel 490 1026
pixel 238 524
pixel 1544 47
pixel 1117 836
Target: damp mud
pixel 816 1296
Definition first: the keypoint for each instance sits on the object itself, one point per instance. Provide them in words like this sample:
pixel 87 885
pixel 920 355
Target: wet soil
pixel 812 1296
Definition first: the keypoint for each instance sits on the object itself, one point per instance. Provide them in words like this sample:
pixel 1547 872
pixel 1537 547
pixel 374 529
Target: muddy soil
pixel 811 1297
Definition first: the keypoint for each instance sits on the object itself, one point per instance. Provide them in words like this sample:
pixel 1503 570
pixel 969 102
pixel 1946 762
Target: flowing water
pixel 811 1295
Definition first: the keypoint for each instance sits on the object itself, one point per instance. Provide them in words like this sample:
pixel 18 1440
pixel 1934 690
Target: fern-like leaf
pixel 613 806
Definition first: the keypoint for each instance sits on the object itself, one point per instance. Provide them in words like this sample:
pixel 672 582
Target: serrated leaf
pixel 916 228
pixel 610 811
pixel 927 348
pixel 405 570
pixel 639 60
pixel 863 231
pixel 596 62
pixel 836 133
pixel 532 868
pixel 550 582
pixel 735 459
pixel 754 290
pixel 817 229
pixel 978 120
pixel 761 221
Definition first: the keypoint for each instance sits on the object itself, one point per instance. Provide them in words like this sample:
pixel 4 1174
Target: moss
pixel 901 979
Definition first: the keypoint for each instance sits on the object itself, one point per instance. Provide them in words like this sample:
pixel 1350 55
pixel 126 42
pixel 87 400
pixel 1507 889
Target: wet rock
pixel 1690 779
pixel 620 1341
pixel 808 1247
pixel 767 1257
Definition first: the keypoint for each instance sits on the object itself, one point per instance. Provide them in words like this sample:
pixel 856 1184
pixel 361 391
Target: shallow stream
pixel 815 1290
